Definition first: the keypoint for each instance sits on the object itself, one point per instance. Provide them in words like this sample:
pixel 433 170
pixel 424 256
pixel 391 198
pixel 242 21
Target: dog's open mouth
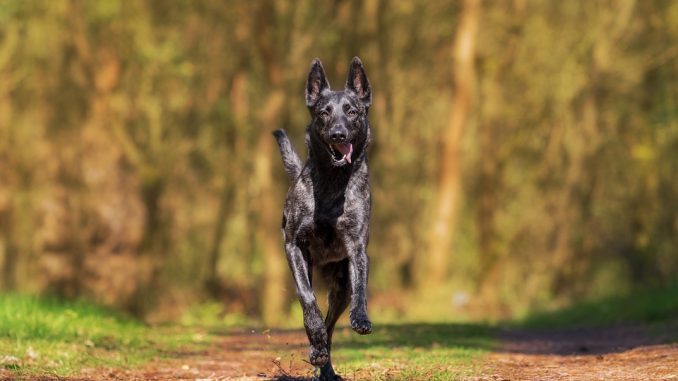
pixel 341 153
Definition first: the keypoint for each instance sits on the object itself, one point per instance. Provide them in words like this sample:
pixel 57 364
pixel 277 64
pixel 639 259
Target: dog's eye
pixel 352 113
pixel 324 114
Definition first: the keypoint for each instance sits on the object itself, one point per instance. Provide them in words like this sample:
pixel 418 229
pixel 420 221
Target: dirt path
pixel 240 355
pixel 613 353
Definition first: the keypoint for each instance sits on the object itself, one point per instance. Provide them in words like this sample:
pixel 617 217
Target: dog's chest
pixel 335 214
pixel 326 244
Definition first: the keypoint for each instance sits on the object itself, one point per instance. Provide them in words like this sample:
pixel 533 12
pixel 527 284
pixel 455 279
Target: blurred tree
pixel 535 165
pixel 446 207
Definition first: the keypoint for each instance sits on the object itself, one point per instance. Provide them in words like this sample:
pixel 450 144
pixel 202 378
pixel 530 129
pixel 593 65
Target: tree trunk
pixel 9 253
pixel 449 185
pixel 267 234
pixel 268 211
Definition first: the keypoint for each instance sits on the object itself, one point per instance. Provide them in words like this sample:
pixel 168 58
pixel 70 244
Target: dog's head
pixel 339 118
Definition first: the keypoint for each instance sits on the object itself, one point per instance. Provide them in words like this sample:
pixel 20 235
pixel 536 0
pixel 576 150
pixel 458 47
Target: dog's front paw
pixel 318 357
pixel 361 325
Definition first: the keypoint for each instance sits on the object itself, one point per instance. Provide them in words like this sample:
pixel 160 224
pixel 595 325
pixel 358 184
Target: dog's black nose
pixel 338 134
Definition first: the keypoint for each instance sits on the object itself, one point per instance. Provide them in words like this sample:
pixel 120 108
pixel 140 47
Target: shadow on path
pixel 560 341
pixel 583 341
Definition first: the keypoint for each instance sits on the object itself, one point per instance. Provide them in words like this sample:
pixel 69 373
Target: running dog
pixel 327 210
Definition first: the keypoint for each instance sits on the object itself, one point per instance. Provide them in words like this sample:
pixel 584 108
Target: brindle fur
pixel 327 209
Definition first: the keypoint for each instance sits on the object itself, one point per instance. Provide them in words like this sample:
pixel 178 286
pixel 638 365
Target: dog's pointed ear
pixel 357 82
pixel 316 84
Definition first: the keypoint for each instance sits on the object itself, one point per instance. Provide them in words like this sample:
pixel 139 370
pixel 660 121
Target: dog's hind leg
pixel 339 296
pixel 313 321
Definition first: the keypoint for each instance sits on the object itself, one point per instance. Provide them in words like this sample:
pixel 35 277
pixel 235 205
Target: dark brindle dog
pixel 327 210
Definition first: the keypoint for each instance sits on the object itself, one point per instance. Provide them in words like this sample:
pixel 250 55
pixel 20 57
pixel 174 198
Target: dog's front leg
pixel 313 321
pixel 358 270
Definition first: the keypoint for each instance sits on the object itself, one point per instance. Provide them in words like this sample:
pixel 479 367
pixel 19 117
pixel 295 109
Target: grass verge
pixel 413 352
pixel 41 335
pixel 652 305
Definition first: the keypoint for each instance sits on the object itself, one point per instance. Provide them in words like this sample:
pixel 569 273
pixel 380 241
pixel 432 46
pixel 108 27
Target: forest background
pixel 525 152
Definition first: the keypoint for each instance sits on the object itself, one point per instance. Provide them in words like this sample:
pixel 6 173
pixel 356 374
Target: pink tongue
pixel 346 149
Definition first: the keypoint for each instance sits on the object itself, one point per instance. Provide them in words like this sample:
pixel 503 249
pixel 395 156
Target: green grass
pixel 41 335
pixel 450 351
pixel 50 336
pixel 651 305
pixel 413 352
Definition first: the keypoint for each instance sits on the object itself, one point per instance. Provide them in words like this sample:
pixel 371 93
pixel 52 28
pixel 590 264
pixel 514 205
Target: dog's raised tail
pixel 291 160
